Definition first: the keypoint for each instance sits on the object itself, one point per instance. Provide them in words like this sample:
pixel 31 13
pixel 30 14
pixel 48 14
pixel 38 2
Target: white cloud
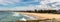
pixel 44 5
pixel 6 2
pixel 31 7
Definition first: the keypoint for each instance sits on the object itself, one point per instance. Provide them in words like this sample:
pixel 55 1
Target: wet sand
pixel 42 15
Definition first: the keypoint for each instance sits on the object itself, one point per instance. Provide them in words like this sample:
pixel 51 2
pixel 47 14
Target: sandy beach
pixel 42 15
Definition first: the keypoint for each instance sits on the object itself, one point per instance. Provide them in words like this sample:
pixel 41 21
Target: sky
pixel 18 4
pixel 13 3
pixel 49 5
pixel 28 4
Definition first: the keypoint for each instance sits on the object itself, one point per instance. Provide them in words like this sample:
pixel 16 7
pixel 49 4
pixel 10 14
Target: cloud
pixel 52 4
pixel 6 2
pixel 17 4
pixel 13 2
pixel 19 8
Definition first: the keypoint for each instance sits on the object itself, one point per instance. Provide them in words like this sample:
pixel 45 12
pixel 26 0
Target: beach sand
pixel 42 15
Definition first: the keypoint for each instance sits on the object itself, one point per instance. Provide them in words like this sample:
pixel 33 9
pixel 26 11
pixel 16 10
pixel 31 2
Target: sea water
pixel 12 17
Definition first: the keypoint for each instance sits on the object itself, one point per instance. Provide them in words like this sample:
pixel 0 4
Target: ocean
pixel 13 17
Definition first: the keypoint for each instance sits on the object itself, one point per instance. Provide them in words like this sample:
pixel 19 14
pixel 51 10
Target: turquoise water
pixel 11 17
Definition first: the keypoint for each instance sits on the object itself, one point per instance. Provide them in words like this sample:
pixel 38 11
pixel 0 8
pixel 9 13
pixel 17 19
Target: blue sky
pixel 28 4
pixel 13 3
pixel 18 4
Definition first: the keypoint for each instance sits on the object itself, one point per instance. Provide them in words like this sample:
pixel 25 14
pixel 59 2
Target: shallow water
pixel 12 17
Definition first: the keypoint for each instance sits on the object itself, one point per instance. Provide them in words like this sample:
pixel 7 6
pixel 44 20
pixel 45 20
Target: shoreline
pixel 42 15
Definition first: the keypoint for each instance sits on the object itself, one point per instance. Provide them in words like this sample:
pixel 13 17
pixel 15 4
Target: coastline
pixel 42 15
